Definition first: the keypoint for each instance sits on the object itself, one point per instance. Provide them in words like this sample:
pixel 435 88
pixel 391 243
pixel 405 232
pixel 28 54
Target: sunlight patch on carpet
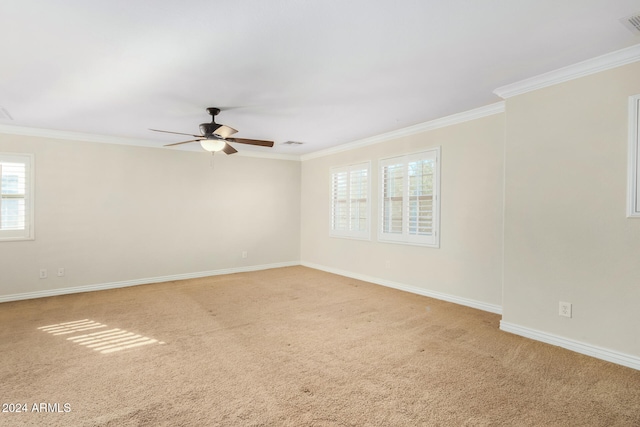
pixel 104 341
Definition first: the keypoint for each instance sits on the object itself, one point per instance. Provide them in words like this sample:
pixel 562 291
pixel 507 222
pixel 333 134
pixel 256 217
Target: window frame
pixel 633 199
pixel 350 232
pixel 28 233
pixel 405 237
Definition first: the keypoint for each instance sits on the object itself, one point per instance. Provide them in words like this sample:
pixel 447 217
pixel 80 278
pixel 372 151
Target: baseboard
pixel 409 288
pixel 144 281
pixel 577 346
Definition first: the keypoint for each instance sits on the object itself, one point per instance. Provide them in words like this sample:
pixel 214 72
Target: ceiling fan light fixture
pixel 213 144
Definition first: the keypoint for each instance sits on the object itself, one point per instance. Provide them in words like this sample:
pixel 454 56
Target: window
pixel 350 201
pixel 16 196
pixel 409 203
pixel 633 204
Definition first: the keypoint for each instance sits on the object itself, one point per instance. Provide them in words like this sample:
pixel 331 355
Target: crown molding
pixel 581 69
pixel 106 139
pixel 73 136
pixel 453 119
pixel 450 120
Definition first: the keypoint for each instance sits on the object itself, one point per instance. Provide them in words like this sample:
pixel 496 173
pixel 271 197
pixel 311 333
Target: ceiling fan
pixel 215 137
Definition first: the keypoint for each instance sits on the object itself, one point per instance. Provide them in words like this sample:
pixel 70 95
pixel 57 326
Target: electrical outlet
pixel 61 272
pixel 244 254
pixel 565 309
pixel 43 273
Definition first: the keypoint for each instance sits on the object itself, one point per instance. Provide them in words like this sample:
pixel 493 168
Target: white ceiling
pixel 322 72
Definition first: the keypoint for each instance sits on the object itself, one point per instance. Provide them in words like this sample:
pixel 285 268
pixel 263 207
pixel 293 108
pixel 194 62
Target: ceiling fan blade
pixel 177 133
pixel 184 142
pixel 229 149
pixel 252 141
pixel 224 131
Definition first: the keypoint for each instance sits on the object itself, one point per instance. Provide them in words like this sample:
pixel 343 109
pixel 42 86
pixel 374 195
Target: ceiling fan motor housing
pixel 208 129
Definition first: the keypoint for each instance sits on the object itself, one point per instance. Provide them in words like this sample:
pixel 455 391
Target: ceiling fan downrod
pixel 207 129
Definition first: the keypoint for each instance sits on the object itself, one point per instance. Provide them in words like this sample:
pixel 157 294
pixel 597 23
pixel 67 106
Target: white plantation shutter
pixel 340 198
pixel 420 196
pixel 16 196
pixel 359 200
pixel 409 198
pixel 392 196
pixel 350 201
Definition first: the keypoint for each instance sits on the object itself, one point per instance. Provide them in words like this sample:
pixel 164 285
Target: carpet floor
pixel 290 347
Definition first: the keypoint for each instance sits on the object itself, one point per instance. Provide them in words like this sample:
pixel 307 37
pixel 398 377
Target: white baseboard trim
pixel 145 281
pixel 409 288
pixel 577 346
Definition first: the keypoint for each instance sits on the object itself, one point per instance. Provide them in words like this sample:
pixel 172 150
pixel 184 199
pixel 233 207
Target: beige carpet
pixel 290 347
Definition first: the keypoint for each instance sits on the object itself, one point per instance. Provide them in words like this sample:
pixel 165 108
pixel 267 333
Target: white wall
pixel 110 213
pixel 567 237
pixel 468 263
